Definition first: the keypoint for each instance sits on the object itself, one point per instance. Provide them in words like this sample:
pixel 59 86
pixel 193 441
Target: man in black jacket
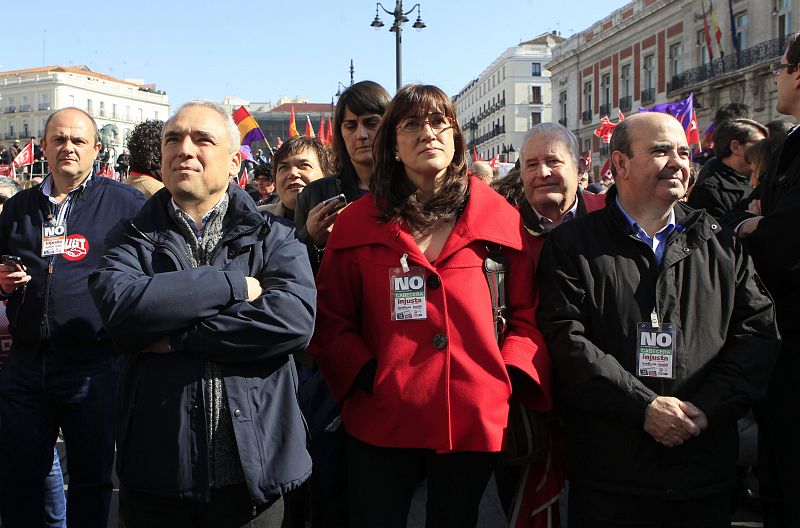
pixel 661 336
pixel 62 369
pixel 208 299
pixel 772 238
pixel 728 179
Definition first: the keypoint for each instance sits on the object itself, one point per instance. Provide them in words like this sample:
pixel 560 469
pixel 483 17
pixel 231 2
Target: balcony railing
pixel 586 116
pixel 11 109
pixel 25 108
pixel 625 103
pixel 648 95
pixel 605 110
pixel 536 100
pixel 44 106
pixel 496 131
pixel 563 121
pixel 763 52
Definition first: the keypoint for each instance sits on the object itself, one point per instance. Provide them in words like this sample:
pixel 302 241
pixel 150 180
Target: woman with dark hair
pixel 406 331
pixel 358 114
pixel 300 161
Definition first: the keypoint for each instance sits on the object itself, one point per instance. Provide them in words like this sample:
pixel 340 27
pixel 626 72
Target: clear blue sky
pixel 263 50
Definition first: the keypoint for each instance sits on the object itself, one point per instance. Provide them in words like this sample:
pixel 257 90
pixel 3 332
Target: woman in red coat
pixel 405 328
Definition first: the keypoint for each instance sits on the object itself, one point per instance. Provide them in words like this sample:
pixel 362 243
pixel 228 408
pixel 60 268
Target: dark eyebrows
pixel 660 146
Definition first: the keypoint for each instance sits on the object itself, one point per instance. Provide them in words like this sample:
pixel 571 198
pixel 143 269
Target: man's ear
pixel 236 163
pixel 620 161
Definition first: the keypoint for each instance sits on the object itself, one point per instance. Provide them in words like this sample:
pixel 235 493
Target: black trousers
pixel 230 507
pixel 778 434
pixel 589 508
pixel 381 483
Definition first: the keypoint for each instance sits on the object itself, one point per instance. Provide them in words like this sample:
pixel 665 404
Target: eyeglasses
pixel 413 125
pixel 776 68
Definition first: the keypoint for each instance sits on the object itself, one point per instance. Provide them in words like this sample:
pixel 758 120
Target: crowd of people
pixel 384 313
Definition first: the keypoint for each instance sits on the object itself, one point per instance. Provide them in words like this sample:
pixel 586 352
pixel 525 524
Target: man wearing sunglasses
pixel 773 241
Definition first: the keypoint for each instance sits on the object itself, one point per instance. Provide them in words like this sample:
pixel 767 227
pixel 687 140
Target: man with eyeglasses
pixel 773 240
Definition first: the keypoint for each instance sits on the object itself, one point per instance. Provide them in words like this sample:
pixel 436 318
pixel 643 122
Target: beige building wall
pixel 655 51
pixel 498 107
pixel 28 97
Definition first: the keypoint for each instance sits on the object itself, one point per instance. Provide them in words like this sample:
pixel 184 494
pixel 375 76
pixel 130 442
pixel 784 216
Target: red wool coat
pixel 443 394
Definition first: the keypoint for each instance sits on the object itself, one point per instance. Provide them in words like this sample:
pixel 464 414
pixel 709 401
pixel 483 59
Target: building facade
pixel 656 51
pixel 28 97
pixel 510 96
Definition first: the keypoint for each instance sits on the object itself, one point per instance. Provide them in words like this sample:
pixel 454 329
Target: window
pixel 587 96
pixel 536 95
pixel 562 103
pixel 44 102
pixel 605 85
pixel 702 46
pixel 676 59
pixel 649 76
pixel 784 9
pixel 536 118
pixel 536 69
pixel 102 109
pixel 10 108
pixel 741 31
pixel 26 132
pixel 625 77
pixel 127 115
pixel 89 106
pixel 114 111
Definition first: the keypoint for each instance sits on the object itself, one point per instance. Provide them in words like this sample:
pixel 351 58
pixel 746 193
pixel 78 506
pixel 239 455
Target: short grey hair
pixel 8 182
pixel 230 127
pixel 547 127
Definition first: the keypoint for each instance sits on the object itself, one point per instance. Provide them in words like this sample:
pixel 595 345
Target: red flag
pixel 322 131
pixel 25 156
pixel 7 170
pixel 309 127
pixel 587 157
pixel 693 131
pixel 707 32
pixel 605 172
pixel 495 160
pixel 243 179
pixel 293 126
pixel 474 153
pixel 330 133
pixel 106 171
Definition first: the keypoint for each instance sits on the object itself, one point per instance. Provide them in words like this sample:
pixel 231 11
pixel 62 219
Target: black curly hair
pixel 144 144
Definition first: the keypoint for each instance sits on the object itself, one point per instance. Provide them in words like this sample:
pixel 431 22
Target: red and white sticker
pixel 77 247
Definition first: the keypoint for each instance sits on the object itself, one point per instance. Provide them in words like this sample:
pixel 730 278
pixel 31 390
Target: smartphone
pixel 11 260
pixel 337 198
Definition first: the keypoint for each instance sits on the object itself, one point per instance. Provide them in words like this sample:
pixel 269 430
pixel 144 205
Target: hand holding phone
pixel 12 274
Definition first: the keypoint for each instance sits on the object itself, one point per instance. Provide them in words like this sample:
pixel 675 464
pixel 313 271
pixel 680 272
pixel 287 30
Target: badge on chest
pixel 655 350
pixel 407 291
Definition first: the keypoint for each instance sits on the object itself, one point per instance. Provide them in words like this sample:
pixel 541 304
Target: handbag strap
pixel 495 266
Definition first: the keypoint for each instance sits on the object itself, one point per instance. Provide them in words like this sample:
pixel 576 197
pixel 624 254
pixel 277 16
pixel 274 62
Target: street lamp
pixel 399 19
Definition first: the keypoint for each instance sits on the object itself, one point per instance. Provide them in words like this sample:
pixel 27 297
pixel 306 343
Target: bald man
pixel 61 372
pixel 662 337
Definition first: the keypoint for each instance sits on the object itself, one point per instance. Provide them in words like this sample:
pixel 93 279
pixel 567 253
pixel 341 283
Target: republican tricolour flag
pixel 309 127
pixel 683 111
pixel 25 156
pixel 249 131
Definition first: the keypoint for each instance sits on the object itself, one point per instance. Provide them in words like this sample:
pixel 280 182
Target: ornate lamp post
pixel 399 19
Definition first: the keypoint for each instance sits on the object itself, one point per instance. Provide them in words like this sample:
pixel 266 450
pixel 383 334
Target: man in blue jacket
pixel 62 370
pixel 208 299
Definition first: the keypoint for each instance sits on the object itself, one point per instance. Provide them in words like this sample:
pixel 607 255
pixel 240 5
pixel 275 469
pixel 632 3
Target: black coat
pixel 598 281
pixel 775 244
pixel 145 289
pixel 720 190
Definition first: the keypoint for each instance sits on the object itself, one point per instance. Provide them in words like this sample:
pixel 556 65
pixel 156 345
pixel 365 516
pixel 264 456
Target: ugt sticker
pixel 77 247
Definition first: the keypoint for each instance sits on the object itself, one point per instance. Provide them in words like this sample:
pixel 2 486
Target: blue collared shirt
pixel 658 242
pixel 61 210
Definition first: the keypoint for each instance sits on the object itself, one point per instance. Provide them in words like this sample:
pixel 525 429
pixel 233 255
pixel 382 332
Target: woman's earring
pixel 396 157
